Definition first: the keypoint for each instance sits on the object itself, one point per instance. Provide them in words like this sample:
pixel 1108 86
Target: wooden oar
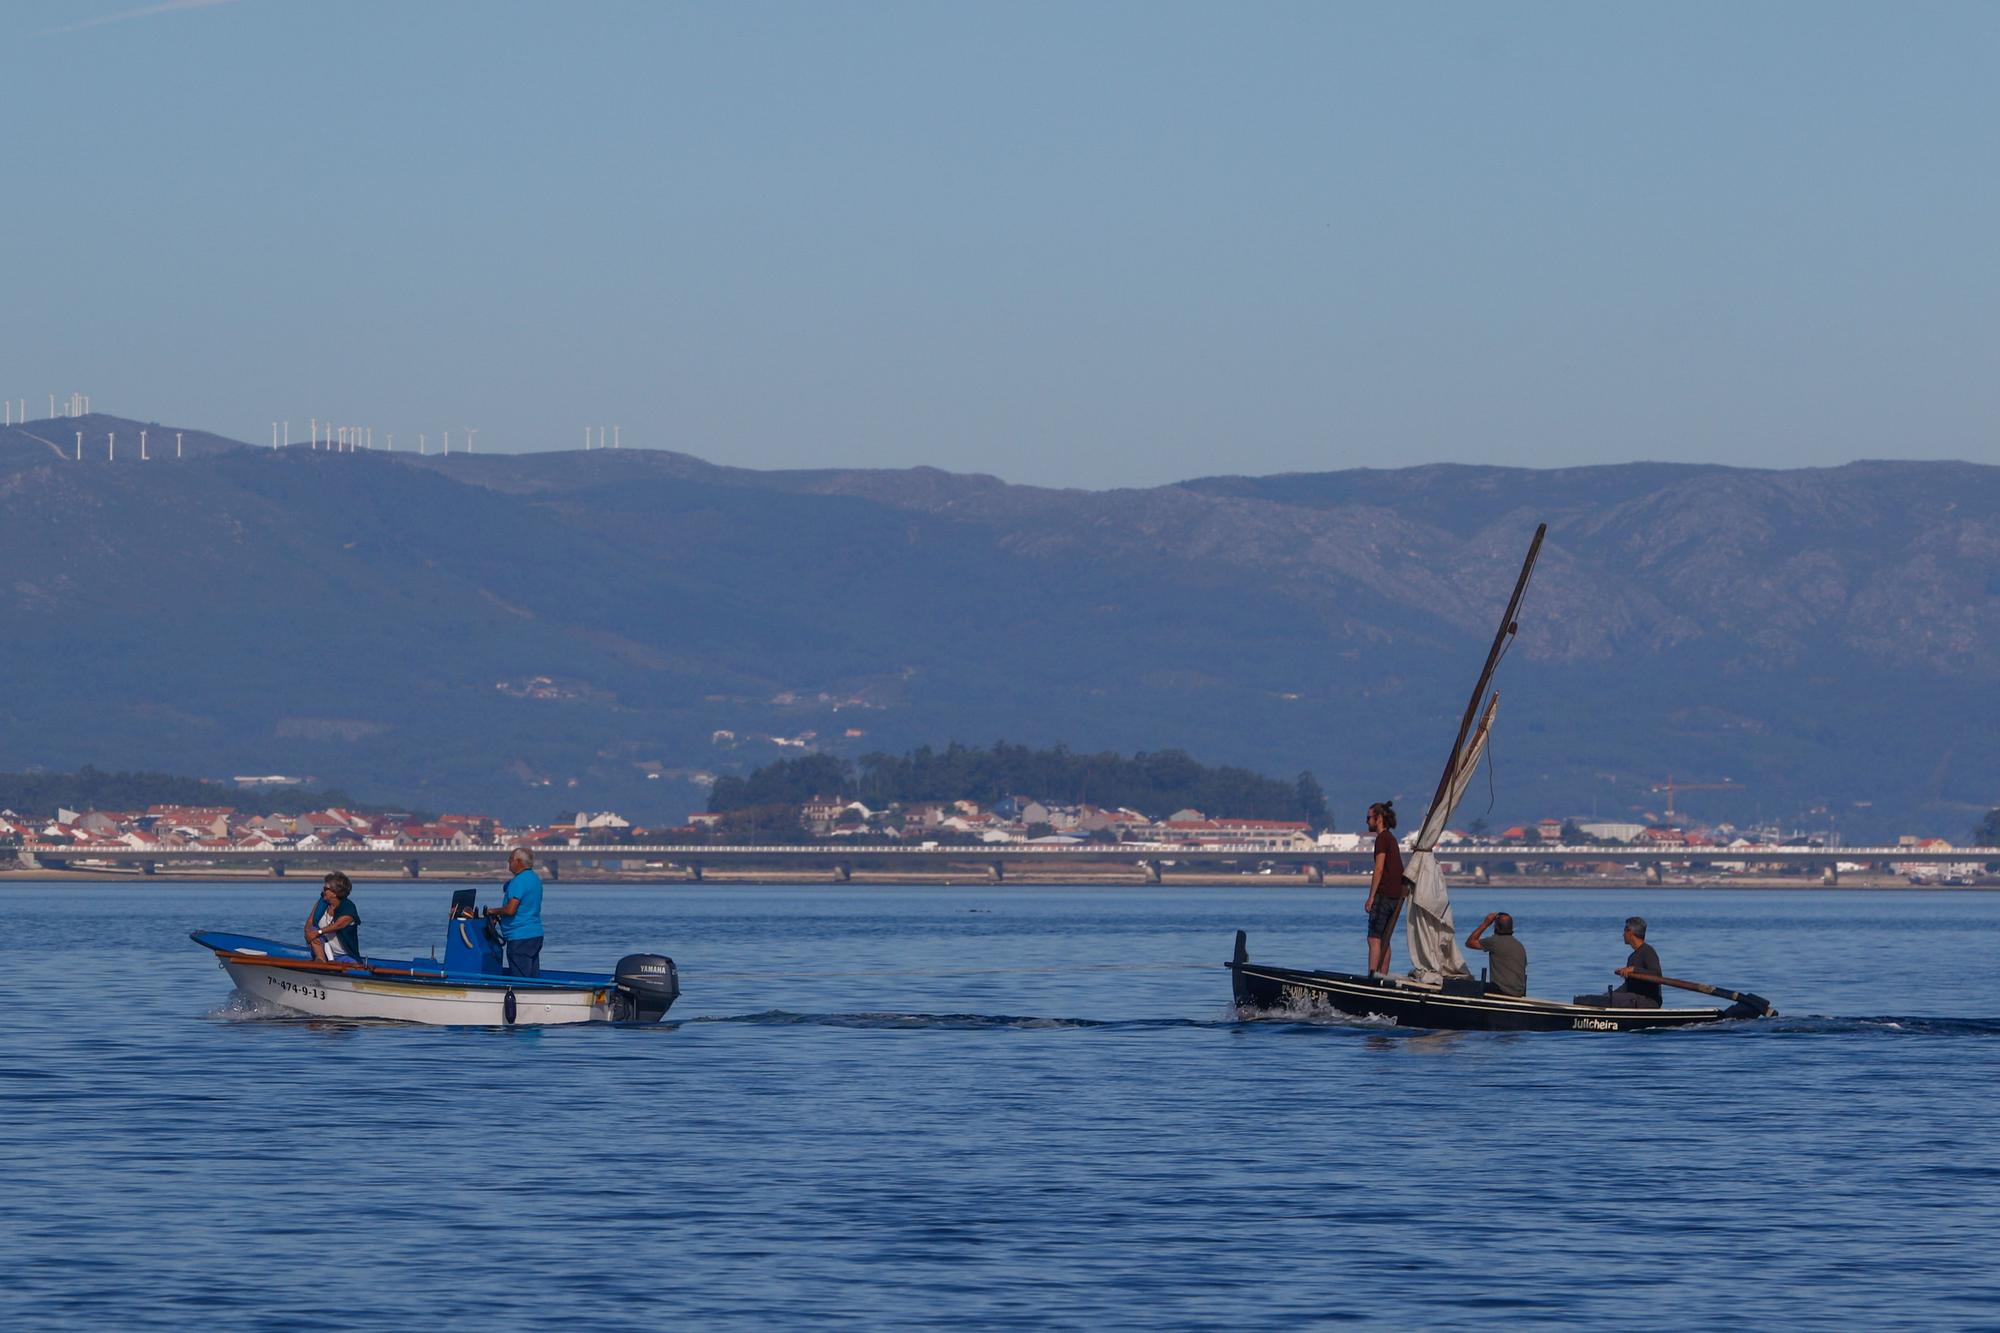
pixel 315 965
pixel 1704 988
pixel 1397 915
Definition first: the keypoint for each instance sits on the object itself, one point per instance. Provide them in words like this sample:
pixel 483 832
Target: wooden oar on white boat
pixel 377 970
pixel 319 965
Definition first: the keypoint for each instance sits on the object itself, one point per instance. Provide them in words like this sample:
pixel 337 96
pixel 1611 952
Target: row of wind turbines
pixel 320 434
pixel 348 439
pixel 111 446
pixel 15 411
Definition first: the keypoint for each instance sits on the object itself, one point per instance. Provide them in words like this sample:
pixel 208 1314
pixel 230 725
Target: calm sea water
pixel 1001 1107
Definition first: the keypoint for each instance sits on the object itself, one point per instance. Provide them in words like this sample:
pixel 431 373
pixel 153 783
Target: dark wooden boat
pixel 1441 991
pixel 1456 1003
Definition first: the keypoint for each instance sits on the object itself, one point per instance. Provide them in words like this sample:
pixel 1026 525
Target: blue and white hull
pixel 422 991
pixel 442 1000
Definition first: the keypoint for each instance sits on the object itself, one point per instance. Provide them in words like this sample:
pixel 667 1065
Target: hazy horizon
pixel 95 443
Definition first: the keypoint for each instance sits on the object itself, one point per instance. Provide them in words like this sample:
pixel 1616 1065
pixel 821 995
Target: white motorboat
pixel 469 987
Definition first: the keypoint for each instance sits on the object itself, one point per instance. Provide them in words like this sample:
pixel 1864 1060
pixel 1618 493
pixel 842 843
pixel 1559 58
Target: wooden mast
pixel 1506 631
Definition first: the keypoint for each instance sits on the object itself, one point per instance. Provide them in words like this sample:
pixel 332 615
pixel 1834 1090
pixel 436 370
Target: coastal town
pixel 837 822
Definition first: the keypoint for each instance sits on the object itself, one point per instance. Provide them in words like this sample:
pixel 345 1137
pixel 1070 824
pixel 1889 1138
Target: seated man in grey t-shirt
pixel 1508 974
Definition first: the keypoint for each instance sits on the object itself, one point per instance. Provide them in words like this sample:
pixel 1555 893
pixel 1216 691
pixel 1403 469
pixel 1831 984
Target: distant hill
pixel 540 633
pixel 105 439
pixel 42 794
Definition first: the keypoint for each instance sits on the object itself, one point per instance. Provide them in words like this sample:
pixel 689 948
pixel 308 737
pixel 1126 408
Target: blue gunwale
pixel 417 971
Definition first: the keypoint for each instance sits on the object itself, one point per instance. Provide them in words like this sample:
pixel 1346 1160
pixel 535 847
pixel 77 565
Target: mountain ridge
pixel 1824 636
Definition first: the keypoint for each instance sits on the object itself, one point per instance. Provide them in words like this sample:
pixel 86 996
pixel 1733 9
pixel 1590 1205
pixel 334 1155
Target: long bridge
pixel 691 861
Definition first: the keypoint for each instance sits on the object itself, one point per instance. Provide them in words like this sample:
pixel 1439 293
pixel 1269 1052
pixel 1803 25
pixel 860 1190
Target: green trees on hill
pixel 1156 784
pixel 774 824
pixel 786 782
pixel 88 788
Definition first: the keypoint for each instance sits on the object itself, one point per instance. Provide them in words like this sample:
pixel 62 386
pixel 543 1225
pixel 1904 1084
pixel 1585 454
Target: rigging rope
pixel 1491 795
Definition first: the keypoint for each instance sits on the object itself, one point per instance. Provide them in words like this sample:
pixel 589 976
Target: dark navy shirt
pixel 347 939
pixel 1643 959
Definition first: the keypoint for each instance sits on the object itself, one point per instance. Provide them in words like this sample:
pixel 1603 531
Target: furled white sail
pixel 1430 935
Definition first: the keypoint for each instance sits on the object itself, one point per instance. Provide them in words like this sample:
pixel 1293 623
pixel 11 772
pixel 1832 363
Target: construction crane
pixel 1670 787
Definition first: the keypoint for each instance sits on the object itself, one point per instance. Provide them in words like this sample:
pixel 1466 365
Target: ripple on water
pixel 988 1131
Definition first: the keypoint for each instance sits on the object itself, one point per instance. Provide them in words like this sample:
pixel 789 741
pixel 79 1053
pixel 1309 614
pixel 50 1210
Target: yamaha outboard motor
pixel 647 986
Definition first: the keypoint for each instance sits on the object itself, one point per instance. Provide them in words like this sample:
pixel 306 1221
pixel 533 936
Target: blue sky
pixel 1071 244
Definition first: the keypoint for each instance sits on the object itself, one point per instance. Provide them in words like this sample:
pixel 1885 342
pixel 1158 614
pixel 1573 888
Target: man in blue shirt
pixel 520 915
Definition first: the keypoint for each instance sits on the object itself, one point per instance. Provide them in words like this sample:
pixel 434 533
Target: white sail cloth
pixel 1430 934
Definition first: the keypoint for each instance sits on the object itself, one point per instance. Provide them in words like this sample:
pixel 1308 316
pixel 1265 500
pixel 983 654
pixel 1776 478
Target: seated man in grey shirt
pixel 1509 971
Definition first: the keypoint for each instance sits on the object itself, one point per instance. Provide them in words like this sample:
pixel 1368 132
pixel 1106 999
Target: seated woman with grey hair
pixel 333 922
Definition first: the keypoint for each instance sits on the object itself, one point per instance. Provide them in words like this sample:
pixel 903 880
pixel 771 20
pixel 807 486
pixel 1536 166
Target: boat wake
pixel 1308 1010
pixel 241 1008
pixel 1888 1025
pixel 953 1022
pixel 1304 1017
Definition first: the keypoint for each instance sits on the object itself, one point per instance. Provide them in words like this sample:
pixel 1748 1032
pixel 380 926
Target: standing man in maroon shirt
pixel 1385 887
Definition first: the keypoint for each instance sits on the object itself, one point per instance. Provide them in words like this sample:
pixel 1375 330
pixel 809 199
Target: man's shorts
pixel 1382 917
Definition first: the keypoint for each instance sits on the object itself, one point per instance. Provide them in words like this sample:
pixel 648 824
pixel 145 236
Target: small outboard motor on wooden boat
pixel 645 986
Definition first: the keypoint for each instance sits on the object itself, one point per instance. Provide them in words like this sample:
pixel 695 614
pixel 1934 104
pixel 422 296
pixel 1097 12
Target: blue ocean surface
pixel 1001 1107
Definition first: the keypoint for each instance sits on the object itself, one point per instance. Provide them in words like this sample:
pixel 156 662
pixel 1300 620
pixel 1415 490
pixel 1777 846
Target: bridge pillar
pixel 996 872
pixel 843 873
pixel 278 869
pixel 413 868
pixel 694 872
pixel 1479 873
pixel 146 868
pixel 1652 875
pixel 1315 873
pixel 1152 871
pixel 1829 874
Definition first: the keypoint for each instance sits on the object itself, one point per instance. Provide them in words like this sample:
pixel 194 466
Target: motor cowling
pixel 647 986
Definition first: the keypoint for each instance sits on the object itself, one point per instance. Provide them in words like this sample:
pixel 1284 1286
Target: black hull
pixel 1284 991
